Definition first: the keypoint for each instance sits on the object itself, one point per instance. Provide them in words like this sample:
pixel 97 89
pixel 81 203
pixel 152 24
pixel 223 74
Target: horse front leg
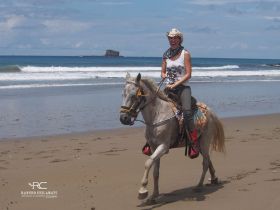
pixel 156 179
pixel 158 153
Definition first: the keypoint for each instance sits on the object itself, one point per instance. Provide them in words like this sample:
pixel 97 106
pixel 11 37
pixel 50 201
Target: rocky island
pixel 112 53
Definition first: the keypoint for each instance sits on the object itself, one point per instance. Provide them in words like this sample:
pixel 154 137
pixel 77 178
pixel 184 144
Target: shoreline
pixel 103 169
pixel 121 129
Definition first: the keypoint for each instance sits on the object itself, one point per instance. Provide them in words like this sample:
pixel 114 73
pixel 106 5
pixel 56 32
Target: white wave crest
pixel 59 76
pixel 217 67
pixel 26 86
pixel 236 73
pixel 37 69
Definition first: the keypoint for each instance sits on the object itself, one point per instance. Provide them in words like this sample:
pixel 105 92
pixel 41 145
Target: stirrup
pixel 146 150
pixel 193 151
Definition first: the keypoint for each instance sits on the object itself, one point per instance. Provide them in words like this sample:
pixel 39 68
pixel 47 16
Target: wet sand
pixel 102 170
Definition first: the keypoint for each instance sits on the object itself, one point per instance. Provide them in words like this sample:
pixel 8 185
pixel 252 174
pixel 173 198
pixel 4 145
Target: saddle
pixel 199 112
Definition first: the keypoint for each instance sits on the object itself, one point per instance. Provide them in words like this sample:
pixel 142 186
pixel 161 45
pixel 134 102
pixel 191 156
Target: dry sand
pixel 102 170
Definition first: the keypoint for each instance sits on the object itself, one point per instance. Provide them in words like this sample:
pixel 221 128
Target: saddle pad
pixel 199 116
pixel 200 121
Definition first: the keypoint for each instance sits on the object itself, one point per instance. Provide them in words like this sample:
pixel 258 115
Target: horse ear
pixel 127 76
pixel 138 78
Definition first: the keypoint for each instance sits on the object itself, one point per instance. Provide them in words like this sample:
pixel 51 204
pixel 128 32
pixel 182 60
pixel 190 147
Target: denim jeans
pixel 185 93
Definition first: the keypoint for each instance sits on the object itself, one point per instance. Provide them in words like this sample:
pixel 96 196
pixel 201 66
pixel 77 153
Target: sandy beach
pixel 102 170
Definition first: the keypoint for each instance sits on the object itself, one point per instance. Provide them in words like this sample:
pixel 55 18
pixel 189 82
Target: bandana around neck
pixel 172 52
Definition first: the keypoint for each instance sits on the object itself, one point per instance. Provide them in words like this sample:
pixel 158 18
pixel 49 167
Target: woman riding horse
pixel 177 68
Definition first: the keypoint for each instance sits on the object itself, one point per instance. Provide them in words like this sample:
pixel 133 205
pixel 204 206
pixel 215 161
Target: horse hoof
pixel 143 195
pixel 215 181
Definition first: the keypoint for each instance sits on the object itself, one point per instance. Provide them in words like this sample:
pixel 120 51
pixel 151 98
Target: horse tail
pixel 218 142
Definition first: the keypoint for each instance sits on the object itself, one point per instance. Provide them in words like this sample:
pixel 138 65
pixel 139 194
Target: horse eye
pixel 133 97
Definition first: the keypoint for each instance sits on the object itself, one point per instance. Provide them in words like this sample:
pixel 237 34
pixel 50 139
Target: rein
pixel 154 97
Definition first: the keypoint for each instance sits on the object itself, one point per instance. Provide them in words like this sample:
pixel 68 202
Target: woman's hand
pixel 170 86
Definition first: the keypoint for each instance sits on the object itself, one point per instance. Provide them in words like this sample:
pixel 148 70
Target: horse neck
pixel 156 109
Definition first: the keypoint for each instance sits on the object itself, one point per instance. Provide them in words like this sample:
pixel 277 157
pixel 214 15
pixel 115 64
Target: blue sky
pixel 212 28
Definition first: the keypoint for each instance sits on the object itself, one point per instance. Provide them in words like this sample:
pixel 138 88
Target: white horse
pixel 162 129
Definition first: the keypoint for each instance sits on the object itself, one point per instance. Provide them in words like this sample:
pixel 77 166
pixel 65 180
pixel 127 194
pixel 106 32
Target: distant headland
pixel 112 53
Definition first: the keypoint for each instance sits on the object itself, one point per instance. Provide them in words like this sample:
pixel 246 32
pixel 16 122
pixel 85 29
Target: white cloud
pixel 45 41
pixel 66 26
pixel 276 19
pixel 12 22
pixel 239 45
pixel 220 2
pixel 114 3
pixel 78 44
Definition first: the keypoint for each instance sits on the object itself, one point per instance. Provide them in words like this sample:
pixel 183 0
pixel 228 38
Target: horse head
pixel 133 98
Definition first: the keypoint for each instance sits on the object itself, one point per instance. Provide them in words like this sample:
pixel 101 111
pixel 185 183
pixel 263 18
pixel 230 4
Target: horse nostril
pixel 124 119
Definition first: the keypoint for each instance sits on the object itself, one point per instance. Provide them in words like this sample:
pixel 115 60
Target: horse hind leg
pixel 204 150
pixel 205 166
pixel 214 179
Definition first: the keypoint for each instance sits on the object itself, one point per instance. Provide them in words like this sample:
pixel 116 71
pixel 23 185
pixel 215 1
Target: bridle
pixel 136 107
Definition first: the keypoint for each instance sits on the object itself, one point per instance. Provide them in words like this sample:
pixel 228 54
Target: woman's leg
pixel 185 98
pixel 189 122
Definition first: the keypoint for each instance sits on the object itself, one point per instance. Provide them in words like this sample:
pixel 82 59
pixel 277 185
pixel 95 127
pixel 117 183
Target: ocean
pixel 46 95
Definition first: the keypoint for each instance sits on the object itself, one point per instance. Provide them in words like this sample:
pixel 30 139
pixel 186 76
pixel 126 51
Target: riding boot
pixel 146 150
pixel 193 151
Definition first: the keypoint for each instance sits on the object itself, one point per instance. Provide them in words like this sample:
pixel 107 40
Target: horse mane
pixel 152 86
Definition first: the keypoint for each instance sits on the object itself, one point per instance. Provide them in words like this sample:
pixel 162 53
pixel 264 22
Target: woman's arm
pixel 163 69
pixel 188 66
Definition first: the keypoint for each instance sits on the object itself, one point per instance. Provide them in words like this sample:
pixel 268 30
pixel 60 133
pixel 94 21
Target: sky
pixel 211 28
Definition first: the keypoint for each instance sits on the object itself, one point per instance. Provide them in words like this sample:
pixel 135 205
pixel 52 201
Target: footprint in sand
pixel 44 140
pixel 97 139
pixel 4 162
pixel 112 151
pixel 47 156
pixel 5 152
pixel 273 180
pixel 275 165
pixel 54 150
pixel 83 143
pixel 40 152
pixel 243 190
pixel 277 130
pixel 58 160
pixel 254 134
pixel 242 175
pixel 4 182
pixel 228 138
pixel 243 141
pixel 252 183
